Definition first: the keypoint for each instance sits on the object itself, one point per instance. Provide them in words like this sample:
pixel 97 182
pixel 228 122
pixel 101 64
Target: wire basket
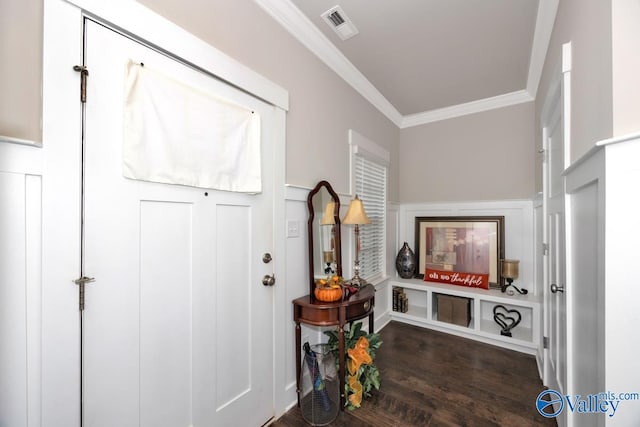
pixel 320 395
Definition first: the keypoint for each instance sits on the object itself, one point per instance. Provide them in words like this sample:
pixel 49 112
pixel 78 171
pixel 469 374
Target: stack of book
pixel 400 301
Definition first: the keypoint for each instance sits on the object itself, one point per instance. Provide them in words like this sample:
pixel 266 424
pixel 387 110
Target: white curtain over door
pixel 178 133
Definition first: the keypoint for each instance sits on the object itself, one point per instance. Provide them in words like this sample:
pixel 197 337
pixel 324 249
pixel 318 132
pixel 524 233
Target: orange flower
pixel 351 380
pixel 362 343
pixel 351 366
pixel 358 356
pixel 356 397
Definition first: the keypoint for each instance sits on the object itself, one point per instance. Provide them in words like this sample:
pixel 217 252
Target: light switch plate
pixel 293 228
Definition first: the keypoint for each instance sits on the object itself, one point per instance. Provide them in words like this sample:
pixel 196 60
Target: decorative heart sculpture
pixel 507 319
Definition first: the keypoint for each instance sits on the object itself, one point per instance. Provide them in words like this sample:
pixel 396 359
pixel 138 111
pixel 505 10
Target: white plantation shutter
pixel 369 177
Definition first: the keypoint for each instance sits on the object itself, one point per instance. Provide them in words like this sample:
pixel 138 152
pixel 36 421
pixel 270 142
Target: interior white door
pixel 554 224
pixel 177 326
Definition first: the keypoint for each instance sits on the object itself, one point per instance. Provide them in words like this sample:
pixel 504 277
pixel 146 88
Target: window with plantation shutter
pixel 369 180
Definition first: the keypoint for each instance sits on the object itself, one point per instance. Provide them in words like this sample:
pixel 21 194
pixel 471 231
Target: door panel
pixel 233 224
pixel 555 374
pixel 177 327
pixel 166 287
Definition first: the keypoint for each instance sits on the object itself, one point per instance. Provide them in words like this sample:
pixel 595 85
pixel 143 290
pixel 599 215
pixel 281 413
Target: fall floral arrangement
pixel 362 375
pixel 329 289
pixel 333 288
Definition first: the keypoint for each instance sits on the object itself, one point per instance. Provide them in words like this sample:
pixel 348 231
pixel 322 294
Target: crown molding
pixel 545 20
pixel 472 107
pixel 20 141
pixel 295 22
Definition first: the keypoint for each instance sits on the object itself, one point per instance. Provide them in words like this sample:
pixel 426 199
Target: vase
pixel 406 262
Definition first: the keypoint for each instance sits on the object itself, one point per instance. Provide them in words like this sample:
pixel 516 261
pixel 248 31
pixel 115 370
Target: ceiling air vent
pixel 340 22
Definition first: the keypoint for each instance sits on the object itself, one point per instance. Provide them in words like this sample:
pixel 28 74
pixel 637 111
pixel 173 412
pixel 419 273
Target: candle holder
pixel 510 269
pixel 328 253
pixel 328 260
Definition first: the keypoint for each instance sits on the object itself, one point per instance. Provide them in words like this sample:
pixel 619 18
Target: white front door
pixel 554 224
pixel 177 326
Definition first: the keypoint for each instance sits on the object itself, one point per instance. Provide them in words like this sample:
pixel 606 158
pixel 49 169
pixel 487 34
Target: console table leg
pixel 297 361
pixel 342 362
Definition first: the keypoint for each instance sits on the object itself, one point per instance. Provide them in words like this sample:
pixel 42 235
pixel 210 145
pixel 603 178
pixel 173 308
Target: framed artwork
pixel 460 250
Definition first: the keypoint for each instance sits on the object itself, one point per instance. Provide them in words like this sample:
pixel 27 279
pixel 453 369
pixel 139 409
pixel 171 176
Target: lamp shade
pixel 510 268
pixel 329 218
pixel 356 213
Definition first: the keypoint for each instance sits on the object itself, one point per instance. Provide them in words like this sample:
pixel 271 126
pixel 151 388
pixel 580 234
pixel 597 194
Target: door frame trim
pixel 552 102
pixel 62 142
pixel 143 24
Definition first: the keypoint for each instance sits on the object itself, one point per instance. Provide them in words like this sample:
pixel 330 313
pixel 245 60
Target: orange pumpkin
pixel 328 294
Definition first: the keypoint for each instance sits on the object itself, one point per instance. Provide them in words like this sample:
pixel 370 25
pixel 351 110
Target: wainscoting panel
pixel 602 280
pixel 20 286
pixel 297 285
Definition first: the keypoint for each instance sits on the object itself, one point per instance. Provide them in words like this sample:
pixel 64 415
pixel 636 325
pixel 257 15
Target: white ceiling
pixel 419 61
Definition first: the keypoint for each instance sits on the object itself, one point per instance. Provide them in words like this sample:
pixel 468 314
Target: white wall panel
pixel 33 271
pixel 602 281
pixel 297 279
pixel 20 297
pixel 13 348
pixel 587 339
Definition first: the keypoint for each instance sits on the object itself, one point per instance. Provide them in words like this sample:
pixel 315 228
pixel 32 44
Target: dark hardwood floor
pixel 435 379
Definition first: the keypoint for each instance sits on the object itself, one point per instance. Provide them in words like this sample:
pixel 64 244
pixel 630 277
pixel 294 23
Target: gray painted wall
pixel 587 24
pixel 626 66
pixel 21 69
pixel 483 156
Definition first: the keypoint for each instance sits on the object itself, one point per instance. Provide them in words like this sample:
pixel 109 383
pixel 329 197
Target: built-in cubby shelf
pixel 422 300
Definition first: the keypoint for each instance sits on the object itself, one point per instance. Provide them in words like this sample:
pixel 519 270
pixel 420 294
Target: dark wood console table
pixel 310 311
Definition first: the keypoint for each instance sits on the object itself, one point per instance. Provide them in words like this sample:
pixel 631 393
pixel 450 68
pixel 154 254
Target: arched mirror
pixel 323 227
